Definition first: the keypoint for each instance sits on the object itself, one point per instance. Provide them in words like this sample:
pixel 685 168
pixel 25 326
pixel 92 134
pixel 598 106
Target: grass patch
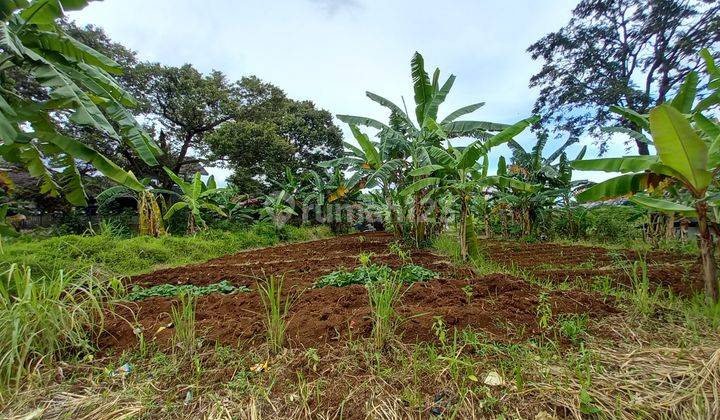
pixel 171 290
pixel 42 318
pixel 407 274
pixel 142 253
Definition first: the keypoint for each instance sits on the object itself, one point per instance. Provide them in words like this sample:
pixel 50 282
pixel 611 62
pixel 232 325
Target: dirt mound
pixel 502 306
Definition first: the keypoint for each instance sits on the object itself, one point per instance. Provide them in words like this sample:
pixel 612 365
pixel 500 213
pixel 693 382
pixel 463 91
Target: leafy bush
pixel 171 290
pixel 602 223
pixel 407 274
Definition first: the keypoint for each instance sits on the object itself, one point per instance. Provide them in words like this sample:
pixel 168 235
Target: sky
pixel 332 51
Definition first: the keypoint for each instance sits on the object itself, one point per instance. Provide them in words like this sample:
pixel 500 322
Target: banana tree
pixel 195 197
pixel 458 172
pixel 150 220
pixel 413 135
pixel 276 209
pixel 81 90
pixel 373 166
pixel 688 156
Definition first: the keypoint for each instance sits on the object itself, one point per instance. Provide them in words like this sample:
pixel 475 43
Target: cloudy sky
pixel 332 51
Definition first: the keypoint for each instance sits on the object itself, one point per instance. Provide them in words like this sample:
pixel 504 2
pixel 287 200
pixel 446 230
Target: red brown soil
pixel 504 307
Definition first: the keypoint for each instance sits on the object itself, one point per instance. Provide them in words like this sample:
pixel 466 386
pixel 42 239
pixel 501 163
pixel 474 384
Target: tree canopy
pixel 625 53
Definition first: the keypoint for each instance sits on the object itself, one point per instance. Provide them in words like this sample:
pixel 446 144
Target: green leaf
pixel 714 154
pixel 73 50
pixel 685 97
pixel 620 186
pixel 710 128
pixel 184 186
pixel 372 156
pixel 664 206
pixel 632 116
pixel 175 208
pixel 8 7
pixel 438 98
pixel 679 146
pixel 473 152
pixel 42 12
pixel 97 160
pixel 419 185
pixel 421 85
pixel 462 111
pixel 355 120
pixel 64 93
pixel 635 135
pixel 622 164
pixel 388 104
pixel 425 170
pixel 468 128
pixel 512 183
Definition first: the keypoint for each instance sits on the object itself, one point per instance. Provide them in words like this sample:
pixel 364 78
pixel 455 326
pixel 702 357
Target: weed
pixel 313 358
pixel 364 258
pixel 383 296
pixel 544 311
pixel 574 326
pixel 276 311
pixel 182 315
pixel 468 290
pixel 397 248
pixel 171 290
pixel 643 299
pixel 42 317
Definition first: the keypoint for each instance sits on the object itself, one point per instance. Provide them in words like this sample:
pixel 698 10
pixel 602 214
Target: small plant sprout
pixel 383 296
pixel 276 311
pixel 397 248
pixel 468 290
pixel 544 310
pixel 364 258
pixel 182 316
pixel 361 239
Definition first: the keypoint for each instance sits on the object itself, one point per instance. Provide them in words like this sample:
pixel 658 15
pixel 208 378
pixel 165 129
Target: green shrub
pixel 407 274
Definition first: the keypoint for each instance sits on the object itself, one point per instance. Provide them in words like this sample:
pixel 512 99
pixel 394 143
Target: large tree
pixel 625 53
pixel 273 132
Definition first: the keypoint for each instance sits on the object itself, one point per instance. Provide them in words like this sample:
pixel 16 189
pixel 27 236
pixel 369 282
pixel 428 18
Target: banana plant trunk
pixel 419 222
pixel 706 252
pixel 393 212
pixel 469 247
pixel 463 229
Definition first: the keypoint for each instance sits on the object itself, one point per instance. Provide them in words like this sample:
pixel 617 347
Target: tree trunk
pixel 463 230
pixel 707 255
pixel 643 148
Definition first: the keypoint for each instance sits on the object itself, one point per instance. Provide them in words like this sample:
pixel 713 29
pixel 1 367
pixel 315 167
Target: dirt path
pixel 502 306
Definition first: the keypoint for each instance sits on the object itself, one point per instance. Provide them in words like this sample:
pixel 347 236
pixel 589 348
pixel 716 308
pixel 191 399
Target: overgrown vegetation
pixel 44 319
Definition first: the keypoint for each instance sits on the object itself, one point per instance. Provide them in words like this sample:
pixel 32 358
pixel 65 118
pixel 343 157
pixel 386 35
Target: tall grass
pixel 42 318
pixel 182 316
pixel 276 311
pixel 643 298
pixel 383 296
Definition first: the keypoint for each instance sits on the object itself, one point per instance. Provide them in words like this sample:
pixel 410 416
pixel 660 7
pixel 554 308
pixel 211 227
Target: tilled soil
pixel 502 306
